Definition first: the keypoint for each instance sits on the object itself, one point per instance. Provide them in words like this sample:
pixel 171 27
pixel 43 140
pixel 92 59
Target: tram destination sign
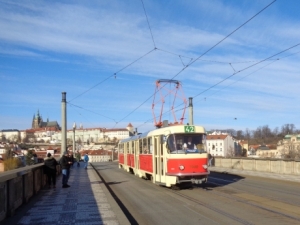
pixel 189 129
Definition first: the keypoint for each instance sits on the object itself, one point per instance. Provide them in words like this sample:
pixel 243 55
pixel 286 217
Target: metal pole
pixel 74 128
pixel 191 117
pixel 63 124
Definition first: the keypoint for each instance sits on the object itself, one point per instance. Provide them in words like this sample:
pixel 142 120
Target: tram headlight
pixel 181 167
pixel 205 166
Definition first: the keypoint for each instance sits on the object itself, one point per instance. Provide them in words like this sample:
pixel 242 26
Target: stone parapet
pixel 278 166
pixel 18 186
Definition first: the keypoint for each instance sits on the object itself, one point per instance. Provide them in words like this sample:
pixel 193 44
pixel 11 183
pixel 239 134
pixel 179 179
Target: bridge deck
pixel 87 201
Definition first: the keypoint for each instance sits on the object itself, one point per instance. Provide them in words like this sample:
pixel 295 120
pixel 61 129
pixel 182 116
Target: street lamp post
pixel 74 128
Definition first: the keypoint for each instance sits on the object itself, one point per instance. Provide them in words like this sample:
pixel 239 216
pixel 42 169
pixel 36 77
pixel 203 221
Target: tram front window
pixel 186 143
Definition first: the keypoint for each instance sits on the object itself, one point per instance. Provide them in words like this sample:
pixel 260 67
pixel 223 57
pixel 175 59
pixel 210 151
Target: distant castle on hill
pixel 37 122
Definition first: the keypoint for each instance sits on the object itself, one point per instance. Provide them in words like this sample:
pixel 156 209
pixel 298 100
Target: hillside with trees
pixel 263 134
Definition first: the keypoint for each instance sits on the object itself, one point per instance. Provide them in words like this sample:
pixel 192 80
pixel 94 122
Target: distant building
pixel 50 132
pixel 12 135
pixel 290 145
pixel 37 122
pixel 223 145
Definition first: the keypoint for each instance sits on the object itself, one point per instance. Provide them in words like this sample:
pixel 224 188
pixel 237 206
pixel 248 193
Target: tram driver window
pixel 171 144
pixel 189 143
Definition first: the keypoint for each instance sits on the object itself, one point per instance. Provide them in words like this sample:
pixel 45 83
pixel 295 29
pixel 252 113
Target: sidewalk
pixel 87 201
pixel 293 178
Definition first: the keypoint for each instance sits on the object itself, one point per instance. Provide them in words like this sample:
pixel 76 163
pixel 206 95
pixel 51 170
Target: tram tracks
pixel 212 208
pixel 272 193
pixel 231 197
pixel 197 200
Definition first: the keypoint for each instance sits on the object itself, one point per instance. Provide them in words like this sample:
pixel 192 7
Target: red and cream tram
pixel 167 156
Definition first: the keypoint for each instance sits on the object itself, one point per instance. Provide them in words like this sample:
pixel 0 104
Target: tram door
pixel 159 164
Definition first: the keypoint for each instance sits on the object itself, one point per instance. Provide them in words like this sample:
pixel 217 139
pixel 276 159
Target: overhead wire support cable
pixel 219 42
pixel 266 59
pixel 113 75
pixel 91 111
pixel 233 32
pixel 148 23
pixel 241 78
pixel 186 66
pixel 205 60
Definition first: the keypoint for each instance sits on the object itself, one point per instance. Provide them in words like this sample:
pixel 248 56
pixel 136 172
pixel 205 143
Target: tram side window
pixel 127 147
pixel 136 146
pixel 150 146
pixel 132 147
pixel 121 148
pixel 140 146
pixel 145 147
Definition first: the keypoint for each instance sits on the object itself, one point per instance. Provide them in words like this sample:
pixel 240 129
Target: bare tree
pixel 8 152
pixel 230 152
pixel 247 134
pixel 240 135
pixel 288 129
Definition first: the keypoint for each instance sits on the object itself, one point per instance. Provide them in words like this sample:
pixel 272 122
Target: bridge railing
pixel 18 186
pixel 279 166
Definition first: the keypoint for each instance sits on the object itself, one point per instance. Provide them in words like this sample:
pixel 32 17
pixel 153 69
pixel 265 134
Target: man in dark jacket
pixel 65 163
pixel 50 170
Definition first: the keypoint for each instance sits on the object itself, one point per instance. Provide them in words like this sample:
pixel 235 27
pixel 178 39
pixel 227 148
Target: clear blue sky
pixel 50 47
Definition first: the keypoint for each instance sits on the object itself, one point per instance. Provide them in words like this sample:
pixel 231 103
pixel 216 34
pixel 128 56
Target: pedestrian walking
pixel 65 163
pixel 72 159
pixel 50 170
pixel 86 160
pixel 78 157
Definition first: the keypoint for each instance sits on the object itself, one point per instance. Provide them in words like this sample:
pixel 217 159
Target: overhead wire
pixel 250 67
pixel 186 66
pixel 90 111
pixel 264 60
pixel 113 75
pixel 148 23
pixel 274 60
pixel 223 39
pixel 71 105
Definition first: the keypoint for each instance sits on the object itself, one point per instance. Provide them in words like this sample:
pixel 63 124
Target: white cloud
pixel 49 47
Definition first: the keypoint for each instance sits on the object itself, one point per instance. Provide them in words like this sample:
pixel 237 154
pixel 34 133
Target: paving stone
pixel 83 203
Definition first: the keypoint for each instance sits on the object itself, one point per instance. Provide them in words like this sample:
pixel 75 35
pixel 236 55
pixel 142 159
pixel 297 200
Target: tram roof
pixel 135 137
pixel 162 131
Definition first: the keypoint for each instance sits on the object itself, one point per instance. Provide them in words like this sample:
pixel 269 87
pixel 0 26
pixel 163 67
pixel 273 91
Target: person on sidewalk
pixel 50 170
pixel 78 157
pixel 72 159
pixel 209 159
pixel 35 158
pixel 65 163
pixel 86 160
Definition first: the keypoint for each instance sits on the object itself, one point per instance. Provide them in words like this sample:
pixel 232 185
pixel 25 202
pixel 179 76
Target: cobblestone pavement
pixel 287 177
pixel 85 202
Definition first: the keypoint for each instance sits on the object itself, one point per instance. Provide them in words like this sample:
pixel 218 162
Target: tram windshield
pixel 186 143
